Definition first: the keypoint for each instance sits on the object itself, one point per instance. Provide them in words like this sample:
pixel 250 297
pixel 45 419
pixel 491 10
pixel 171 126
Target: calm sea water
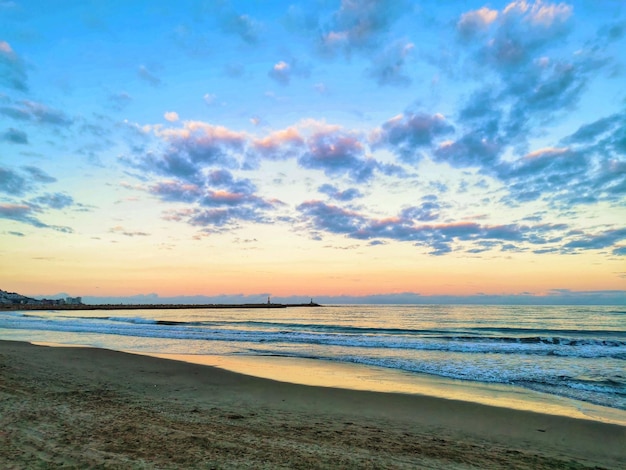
pixel 572 351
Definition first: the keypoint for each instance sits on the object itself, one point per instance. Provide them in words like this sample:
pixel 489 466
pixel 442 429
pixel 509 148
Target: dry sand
pixel 91 408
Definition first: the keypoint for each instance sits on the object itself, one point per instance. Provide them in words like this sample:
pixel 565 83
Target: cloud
pixel 20 182
pixel 605 239
pixel 338 153
pixel 218 218
pixel 171 116
pixel 438 238
pixel 11 182
pixel 474 22
pixel 427 211
pixel 189 150
pixel 17 183
pixel 364 27
pixel 148 76
pixel 54 201
pixel 406 133
pixel 359 25
pixel 283 71
pixel 38 175
pixel 520 31
pixel 122 231
pixel 24 213
pixel 528 88
pixel 280 72
pixel 209 99
pixel 217 200
pixel 281 144
pixel 474 149
pixel 240 25
pixel 588 168
pixel 234 70
pixel 527 85
pixel 119 101
pixel 12 68
pixel 538 13
pixel 388 66
pixel 543 90
pixel 224 179
pixel 332 218
pixel 175 191
pixel 14 136
pixel 588 133
pixel 36 112
pixel 344 196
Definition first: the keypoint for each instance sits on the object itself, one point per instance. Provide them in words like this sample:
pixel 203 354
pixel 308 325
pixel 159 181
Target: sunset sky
pixel 312 147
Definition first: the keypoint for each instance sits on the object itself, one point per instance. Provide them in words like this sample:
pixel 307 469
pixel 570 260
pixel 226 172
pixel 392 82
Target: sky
pixel 355 148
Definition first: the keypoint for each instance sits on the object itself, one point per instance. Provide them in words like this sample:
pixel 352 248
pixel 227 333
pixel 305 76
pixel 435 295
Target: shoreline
pixel 95 407
pixel 50 306
pixel 361 377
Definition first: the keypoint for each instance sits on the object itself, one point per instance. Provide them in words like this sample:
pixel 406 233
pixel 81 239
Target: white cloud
pixel 171 116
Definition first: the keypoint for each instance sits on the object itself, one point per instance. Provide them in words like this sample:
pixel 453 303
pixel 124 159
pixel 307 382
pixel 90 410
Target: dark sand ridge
pixel 92 408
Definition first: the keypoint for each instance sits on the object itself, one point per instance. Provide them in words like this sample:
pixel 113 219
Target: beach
pixel 96 408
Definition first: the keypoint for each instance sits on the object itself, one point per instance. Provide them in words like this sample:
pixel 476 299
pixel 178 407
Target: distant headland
pixel 12 301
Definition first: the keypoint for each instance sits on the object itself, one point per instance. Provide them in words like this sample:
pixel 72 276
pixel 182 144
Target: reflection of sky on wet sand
pixel 358 377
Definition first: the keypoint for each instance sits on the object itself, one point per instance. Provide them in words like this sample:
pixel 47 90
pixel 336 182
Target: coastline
pixel 47 306
pixel 323 373
pixel 100 408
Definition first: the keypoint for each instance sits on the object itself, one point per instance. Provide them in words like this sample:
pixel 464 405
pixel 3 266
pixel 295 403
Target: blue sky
pixel 321 147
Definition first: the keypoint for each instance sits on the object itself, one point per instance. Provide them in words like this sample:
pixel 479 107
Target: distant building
pixel 11 298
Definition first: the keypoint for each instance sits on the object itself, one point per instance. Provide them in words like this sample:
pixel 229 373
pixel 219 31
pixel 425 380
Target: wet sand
pixel 92 408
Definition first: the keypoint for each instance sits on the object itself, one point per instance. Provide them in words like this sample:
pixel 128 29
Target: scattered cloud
pixel 321 88
pixel 14 136
pixel 148 76
pixel 406 134
pixel 336 154
pixel 25 213
pixel 38 113
pixel 189 149
pixel 218 199
pixel 388 66
pixel 282 71
pixel 281 144
pixel 12 69
pixel 241 25
pixel 11 182
pixel 18 182
pixel 209 99
pixel 439 238
pixel 475 22
pixel 359 25
pixel 122 231
pixel 54 201
pixel 171 116
pixel 601 240
pixel 119 101
pixel 344 196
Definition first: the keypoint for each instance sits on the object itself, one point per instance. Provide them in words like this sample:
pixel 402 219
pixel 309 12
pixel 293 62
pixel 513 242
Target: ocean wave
pixel 142 327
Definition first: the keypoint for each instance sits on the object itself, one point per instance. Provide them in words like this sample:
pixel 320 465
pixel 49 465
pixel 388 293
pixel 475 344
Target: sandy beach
pixel 92 408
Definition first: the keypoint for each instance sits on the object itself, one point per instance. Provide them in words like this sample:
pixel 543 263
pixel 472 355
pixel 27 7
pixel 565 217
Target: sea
pixel 572 353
